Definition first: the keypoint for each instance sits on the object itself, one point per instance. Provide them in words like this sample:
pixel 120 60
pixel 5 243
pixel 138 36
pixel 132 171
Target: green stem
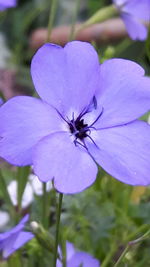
pixel 63 249
pixel 72 30
pixel 51 18
pixel 64 261
pixel 127 241
pixel 3 188
pixel 122 255
pixel 109 256
pixel 142 228
pixel 58 213
pixel 22 179
pixel 45 207
pixel 2 96
pixel 101 15
pixel 131 243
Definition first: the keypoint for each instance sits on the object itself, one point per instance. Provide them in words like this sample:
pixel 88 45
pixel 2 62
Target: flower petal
pixel 119 3
pixel 124 152
pixel 16 241
pixel 138 9
pixel 70 249
pixel 135 29
pixel 83 259
pixel 61 75
pixel 7 3
pixel 7 246
pixel 124 94
pixel 24 121
pixel 22 238
pixel 57 157
pixel 15 229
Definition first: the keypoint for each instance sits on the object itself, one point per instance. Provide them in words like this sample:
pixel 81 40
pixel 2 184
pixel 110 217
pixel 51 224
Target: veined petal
pixel 124 94
pixel 56 156
pixel 66 77
pixel 135 28
pixel 124 152
pixel 24 121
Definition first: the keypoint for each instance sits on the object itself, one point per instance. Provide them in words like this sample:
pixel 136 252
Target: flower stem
pixel 122 255
pixel 51 18
pixel 22 179
pixel 58 213
pixel 131 243
pixel 4 190
pixel 75 13
pixel 45 207
pixel 128 243
pixel 100 16
pixel 109 255
pixel 6 196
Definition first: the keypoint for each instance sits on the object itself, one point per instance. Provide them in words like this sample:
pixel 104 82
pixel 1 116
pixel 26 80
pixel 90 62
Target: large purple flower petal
pixel 57 157
pixel 24 121
pixel 124 152
pixel 124 94
pixel 66 75
pixel 135 29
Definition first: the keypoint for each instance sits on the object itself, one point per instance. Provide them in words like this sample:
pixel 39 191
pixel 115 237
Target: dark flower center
pixel 79 128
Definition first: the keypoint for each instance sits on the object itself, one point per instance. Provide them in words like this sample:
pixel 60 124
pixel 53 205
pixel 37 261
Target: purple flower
pixel 78 258
pixel 134 13
pixel 15 238
pixel 7 4
pixel 88 113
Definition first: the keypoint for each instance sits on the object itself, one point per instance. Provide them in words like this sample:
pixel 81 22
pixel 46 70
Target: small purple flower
pixel 134 13
pixel 78 258
pixel 15 238
pixel 88 113
pixel 7 4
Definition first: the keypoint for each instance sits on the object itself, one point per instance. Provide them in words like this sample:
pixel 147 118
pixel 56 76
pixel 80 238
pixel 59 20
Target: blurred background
pixel 24 29
pixel 102 219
